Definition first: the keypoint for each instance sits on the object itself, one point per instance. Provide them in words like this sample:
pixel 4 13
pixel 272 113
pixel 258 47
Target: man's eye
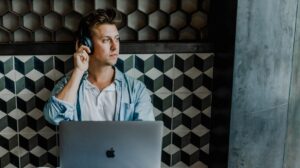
pixel 118 38
pixel 105 40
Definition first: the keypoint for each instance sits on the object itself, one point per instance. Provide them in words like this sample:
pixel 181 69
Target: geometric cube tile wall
pixel 179 85
pixel 143 20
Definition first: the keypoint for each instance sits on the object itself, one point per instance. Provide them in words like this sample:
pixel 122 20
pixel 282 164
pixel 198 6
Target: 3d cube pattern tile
pixel 179 85
pixel 145 20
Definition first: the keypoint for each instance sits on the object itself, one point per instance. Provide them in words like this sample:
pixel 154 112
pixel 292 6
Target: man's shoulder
pixel 66 77
pixel 131 81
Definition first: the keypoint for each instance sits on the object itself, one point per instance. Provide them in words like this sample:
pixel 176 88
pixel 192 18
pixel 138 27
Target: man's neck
pixel 101 76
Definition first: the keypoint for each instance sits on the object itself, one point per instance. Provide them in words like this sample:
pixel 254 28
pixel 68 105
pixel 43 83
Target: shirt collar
pixel 118 75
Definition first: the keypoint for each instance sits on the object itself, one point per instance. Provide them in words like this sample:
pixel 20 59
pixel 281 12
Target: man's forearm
pixel 68 93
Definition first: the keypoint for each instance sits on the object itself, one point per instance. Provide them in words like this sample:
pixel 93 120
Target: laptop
pixel 107 144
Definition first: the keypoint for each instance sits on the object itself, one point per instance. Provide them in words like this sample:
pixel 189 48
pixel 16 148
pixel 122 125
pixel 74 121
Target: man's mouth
pixel 113 55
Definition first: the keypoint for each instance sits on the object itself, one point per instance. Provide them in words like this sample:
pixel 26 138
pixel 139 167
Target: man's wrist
pixel 78 72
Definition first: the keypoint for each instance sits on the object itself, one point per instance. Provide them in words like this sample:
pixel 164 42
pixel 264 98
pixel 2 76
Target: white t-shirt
pixel 99 105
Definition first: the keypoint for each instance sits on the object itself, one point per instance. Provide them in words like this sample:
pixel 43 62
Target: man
pixel 96 90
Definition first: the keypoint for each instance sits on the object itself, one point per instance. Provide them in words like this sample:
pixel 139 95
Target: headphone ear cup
pixel 88 42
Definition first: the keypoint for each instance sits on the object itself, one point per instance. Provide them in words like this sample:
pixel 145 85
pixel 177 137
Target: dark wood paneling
pixel 126 48
pixel 222 23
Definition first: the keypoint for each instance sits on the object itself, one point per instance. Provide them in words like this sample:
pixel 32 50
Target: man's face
pixel 106 44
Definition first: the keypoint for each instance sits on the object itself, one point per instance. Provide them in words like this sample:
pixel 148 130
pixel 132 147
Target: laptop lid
pixel 126 144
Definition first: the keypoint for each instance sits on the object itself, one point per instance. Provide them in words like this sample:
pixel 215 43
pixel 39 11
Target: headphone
pixel 84 37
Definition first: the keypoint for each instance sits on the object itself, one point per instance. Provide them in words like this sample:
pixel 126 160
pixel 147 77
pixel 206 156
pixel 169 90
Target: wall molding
pixel 126 48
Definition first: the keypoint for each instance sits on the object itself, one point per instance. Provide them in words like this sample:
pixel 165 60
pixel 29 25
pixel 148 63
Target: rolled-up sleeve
pixel 143 107
pixel 56 110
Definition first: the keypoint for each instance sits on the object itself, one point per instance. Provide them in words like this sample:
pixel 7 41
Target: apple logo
pixel 110 153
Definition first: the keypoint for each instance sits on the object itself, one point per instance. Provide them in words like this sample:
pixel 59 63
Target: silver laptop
pixel 126 144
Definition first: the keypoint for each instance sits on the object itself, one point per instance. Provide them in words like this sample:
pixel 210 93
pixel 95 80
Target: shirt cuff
pixel 64 108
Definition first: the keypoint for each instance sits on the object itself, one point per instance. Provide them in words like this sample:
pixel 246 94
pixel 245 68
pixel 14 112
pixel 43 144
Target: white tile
pixel 171 149
pixel 29 166
pixel 192 112
pixel 11 75
pixel 4 58
pixel 63 58
pixel 35 114
pixel 166 131
pixel 203 89
pixel 8 130
pixel 193 73
pixel 34 75
pixel 27 132
pixel 205 149
pixel 8 135
pixel 181 130
pixel 3 151
pixel 164 56
pixel 154 73
pixel 175 112
pixel 199 164
pixel 163 90
pixel 6 95
pixel 200 130
pixel 180 165
pixel 124 56
pixel 47 135
pixel 23 58
pixel 184 56
pixel 163 95
pixel 182 95
pixel 173 73
pixel 210 72
pixel 47 130
pixel 16 114
pixel 26 95
pixel 190 149
pixel 10 166
pixel 202 95
pixel 54 151
pixel 183 90
pixel 144 56
pixel 2 114
pixel 18 75
pixel 207 112
pixel 44 94
pixel 19 151
pixel 204 55
pixel 168 112
pixel 156 111
pixel 54 74
pixel 44 58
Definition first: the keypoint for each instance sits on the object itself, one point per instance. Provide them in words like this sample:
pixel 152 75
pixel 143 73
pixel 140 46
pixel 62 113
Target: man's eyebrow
pixel 110 36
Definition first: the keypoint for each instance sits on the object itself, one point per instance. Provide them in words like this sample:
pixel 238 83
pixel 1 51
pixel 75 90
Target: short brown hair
pixel 98 17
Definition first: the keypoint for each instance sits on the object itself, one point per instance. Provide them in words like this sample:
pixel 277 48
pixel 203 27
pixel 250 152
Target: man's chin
pixel 111 63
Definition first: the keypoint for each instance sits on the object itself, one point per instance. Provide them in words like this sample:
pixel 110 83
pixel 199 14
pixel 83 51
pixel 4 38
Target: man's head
pixel 98 30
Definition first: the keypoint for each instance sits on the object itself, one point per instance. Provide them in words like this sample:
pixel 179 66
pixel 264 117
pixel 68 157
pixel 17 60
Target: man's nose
pixel 114 44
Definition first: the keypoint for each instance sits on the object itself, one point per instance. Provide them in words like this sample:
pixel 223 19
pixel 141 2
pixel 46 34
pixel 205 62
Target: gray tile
pixel 6 64
pixel 144 62
pixel 43 63
pixel 24 64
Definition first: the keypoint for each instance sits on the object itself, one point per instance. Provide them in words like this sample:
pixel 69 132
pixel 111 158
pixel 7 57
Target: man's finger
pixel 85 48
